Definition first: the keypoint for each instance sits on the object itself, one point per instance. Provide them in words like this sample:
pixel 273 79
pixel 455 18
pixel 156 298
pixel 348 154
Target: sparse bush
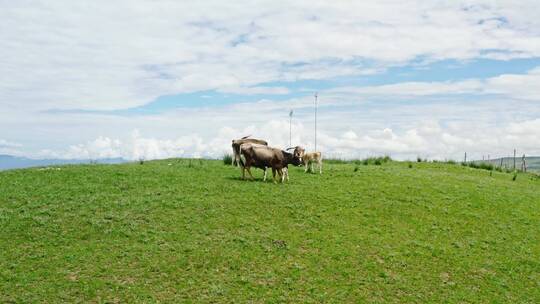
pixel 141 161
pixel 514 177
pixel 366 161
pixel 486 166
pixel 227 159
pixel 480 165
pixel 419 159
pixel 356 168
pixel 376 160
pixel 410 165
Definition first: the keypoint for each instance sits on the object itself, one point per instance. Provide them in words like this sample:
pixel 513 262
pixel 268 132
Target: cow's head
pixel 298 153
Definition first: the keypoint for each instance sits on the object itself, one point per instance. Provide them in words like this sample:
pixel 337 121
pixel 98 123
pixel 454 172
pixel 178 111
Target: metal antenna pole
pixel 290 127
pixel 316 106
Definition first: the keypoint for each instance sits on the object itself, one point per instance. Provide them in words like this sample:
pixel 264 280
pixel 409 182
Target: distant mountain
pixel 14 162
pixel 532 162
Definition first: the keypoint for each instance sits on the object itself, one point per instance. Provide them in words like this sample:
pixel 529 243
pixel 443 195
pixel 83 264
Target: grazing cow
pixel 236 147
pixel 262 157
pixel 310 158
pixel 265 168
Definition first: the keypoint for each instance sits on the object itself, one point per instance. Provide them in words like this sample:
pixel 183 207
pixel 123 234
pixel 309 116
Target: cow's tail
pixel 234 156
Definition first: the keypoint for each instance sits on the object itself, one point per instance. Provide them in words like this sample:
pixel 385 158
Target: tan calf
pixel 311 158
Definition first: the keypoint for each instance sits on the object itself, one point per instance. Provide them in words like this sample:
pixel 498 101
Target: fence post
pixel 523 165
pixel 514 159
pixel 465 159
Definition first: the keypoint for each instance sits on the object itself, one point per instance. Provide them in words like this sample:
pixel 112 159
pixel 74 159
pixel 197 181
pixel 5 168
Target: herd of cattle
pixel 251 152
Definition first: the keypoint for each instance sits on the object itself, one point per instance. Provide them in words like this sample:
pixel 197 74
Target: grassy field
pixel 192 231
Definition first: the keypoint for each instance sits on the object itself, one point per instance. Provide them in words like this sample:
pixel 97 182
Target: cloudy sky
pixel 156 79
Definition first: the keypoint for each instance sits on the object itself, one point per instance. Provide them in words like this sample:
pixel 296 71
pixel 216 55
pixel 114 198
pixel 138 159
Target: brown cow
pixel 236 147
pixel 263 157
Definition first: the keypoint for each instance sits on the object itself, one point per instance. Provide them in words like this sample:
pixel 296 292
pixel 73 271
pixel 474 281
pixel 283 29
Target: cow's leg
pixel 281 175
pixel 306 166
pixel 249 171
pixel 243 172
pixel 320 166
pixel 286 173
pixel 274 175
pixel 265 170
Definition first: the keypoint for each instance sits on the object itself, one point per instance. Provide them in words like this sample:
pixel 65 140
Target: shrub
pixel 376 160
pixel 410 165
pixel 227 159
pixel 480 165
pixel 419 159
pixel 486 166
pixel 514 177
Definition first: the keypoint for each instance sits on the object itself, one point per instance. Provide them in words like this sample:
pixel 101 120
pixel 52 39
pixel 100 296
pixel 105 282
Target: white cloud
pixel 524 86
pixel 122 54
pixel 8 144
pixel 516 86
pixel 256 90
pixel 9 147
pixel 426 139
pixel 104 55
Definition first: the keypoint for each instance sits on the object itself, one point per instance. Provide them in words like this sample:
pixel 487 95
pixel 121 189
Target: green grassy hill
pixel 182 230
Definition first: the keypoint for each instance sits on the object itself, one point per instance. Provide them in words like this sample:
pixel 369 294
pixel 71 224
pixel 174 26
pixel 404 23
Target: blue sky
pixel 447 70
pixel 158 79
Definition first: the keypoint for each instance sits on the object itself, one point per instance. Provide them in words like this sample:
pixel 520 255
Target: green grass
pixel 192 231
